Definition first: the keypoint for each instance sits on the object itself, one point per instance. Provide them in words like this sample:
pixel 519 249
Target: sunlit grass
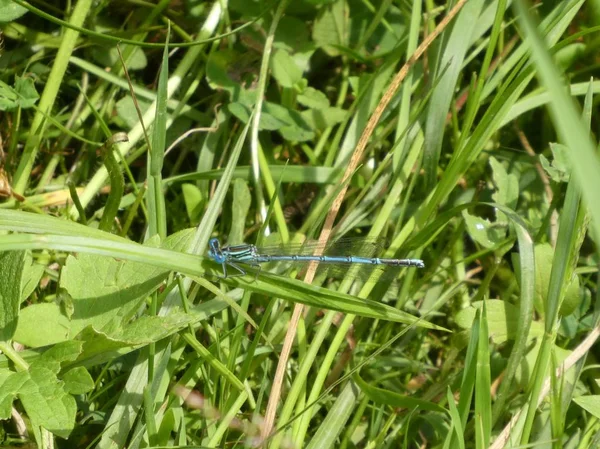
pixel 483 165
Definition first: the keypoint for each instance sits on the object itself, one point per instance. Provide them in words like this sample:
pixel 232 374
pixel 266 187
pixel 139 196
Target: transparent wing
pixel 353 246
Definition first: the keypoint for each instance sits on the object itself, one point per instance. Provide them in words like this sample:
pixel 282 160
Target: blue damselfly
pixel 251 255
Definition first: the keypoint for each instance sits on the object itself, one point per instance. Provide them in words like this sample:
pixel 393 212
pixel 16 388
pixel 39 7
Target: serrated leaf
pixel 11 267
pixel 560 159
pixel 296 134
pixel 47 403
pixel 107 292
pixel 555 175
pixel 8 97
pixel 41 392
pixel 296 128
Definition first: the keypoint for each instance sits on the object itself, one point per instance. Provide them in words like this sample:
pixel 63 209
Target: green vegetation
pixel 133 132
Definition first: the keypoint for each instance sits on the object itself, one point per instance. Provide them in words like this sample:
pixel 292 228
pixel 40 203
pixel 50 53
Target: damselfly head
pixel 214 250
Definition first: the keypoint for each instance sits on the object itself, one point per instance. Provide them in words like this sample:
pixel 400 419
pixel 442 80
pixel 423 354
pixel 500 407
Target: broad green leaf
pixel 507 188
pixel 100 347
pixel 573 297
pixel 192 197
pixel 242 199
pixel 526 367
pixel 11 269
pixel 329 27
pixel 8 97
pixel 323 118
pixel 109 56
pixel 292 34
pixel 267 121
pixel 293 133
pixel 78 381
pixel 590 403
pixel 55 329
pixel 285 70
pixel 27 94
pixel 23 95
pixel 289 123
pixel 126 109
pixel 228 70
pixel 313 98
pixel 487 234
pixel 560 168
pixel 32 274
pixel 10 11
pixel 107 292
pixel 503 319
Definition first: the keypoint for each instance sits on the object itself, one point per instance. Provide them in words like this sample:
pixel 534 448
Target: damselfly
pixel 251 255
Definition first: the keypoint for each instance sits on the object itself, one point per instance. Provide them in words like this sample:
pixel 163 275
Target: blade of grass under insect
pixel 27 222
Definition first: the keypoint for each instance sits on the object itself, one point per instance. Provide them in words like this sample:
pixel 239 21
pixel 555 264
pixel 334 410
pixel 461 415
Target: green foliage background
pixel 133 132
